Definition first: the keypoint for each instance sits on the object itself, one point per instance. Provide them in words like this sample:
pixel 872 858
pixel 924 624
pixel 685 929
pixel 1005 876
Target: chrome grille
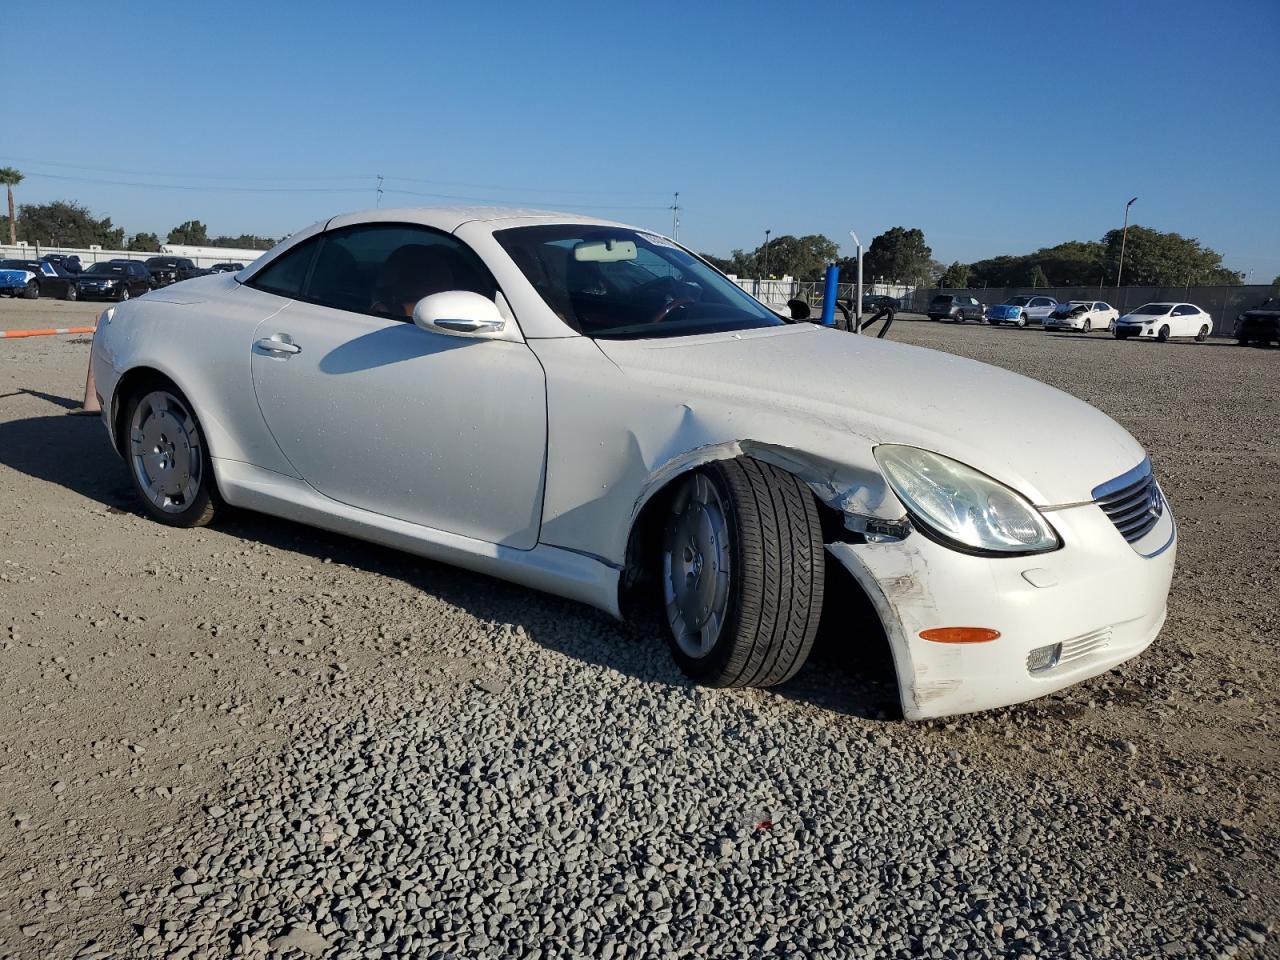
pixel 1132 501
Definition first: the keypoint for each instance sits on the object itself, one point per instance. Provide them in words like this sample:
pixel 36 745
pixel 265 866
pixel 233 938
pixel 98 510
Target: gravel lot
pixel 262 740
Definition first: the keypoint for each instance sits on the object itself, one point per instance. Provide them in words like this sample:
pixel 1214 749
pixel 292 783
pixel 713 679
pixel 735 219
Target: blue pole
pixel 829 296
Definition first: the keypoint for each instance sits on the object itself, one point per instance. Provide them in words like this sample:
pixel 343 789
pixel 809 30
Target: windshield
pixel 941 299
pixel 1154 309
pixel 161 262
pixel 108 269
pixel 613 282
pixel 1017 301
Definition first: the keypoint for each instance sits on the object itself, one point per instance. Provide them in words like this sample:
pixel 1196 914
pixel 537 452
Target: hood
pixel 1263 313
pixel 1008 309
pixel 1046 444
pixel 11 275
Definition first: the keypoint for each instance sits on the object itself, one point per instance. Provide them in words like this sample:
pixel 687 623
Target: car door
pixel 372 411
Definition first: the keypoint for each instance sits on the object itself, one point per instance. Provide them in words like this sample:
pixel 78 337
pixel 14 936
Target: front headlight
pixel 962 507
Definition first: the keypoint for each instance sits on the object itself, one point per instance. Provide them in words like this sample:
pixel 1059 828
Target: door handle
pixel 274 345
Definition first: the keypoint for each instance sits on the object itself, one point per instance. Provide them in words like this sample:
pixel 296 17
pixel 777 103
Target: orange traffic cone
pixel 90 406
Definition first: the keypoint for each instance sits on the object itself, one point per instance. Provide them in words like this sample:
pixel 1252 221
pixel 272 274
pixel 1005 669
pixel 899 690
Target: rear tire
pixel 742 574
pixel 1203 335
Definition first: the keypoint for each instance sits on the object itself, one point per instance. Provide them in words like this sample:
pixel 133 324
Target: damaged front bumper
pixel 1062 617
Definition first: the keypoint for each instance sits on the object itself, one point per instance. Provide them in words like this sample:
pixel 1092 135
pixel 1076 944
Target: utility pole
pixel 1123 237
pixel 675 217
pixel 766 254
pixel 379 203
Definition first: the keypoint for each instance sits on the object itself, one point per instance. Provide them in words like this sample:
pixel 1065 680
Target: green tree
pixel 147 242
pixel 899 254
pixel 1074 263
pixel 1157 259
pixel 956 275
pixel 805 258
pixel 11 177
pixel 65 223
pixel 192 233
pixel 1038 278
pixel 246 241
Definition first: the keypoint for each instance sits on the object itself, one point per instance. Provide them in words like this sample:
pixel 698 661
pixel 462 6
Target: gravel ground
pixel 263 740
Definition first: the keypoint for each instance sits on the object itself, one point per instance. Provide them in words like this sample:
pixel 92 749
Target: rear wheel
pixel 1203 334
pixel 31 291
pixel 1163 333
pixel 742 573
pixel 169 463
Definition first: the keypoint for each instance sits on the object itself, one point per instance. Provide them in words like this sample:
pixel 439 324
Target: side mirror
pixel 459 313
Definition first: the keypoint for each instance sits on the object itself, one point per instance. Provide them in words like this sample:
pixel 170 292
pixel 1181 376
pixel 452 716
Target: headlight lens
pixel 962 506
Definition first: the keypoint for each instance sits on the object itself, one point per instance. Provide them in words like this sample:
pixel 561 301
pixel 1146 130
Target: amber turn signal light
pixel 960 635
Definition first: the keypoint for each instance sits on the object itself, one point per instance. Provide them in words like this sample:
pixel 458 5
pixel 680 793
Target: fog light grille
pixel 1044 658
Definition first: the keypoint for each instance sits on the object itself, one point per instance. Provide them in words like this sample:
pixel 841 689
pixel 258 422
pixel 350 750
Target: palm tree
pixel 11 178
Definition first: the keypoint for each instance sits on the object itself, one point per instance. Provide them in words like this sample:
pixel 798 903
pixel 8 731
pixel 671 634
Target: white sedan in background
pixel 1082 315
pixel 1161 321
pixel 591 409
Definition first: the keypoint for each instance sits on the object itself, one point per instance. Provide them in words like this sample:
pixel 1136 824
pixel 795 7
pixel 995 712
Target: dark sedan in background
pixel 115 280
pixel 40 278
pixel 1261 325
pixel 167 270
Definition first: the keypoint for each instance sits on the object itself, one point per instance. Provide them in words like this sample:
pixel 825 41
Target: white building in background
pixel 206 256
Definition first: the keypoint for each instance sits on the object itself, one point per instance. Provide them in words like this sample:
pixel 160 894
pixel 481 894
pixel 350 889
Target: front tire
pixel 1022 320
pixel 72 294
pixel 31 291
pixel 169 462
pixel 1088 326
pixel 123 293
pixel 1163 333
pixel 742 574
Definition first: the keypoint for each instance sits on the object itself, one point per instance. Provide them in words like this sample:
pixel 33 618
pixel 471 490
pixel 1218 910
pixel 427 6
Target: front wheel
pixel 123 293
pixel 169 463
pixel 1111 326
pixel 72 292
pixel 1163 333
pixel 1203 334
pixel 742 573
pixel 1088 326
pixel 1022 319
pixel 31 291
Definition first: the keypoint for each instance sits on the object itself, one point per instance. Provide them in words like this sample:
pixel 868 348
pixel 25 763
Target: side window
pixel 385 269
pixel 1182 310
pixel 286 275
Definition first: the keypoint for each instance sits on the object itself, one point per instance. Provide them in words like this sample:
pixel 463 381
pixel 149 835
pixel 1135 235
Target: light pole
pixel 766 254
pixel 1123 237
pixel 857 289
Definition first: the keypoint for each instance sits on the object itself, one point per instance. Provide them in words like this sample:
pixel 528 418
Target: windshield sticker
pixel 657 241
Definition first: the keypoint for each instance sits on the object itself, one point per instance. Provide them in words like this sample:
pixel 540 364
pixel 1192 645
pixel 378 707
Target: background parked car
pixel 1260 325
pixel 875 302
pixel 115 280
pixel 39 278
pixel 68 261
pixel 1022 310
pixel 957 307
pixel 1083 315
pixel 1160 321
pixel 226 268
pixel 167 270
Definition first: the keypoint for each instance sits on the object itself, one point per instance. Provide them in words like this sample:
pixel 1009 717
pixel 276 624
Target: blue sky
pixel 995 127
